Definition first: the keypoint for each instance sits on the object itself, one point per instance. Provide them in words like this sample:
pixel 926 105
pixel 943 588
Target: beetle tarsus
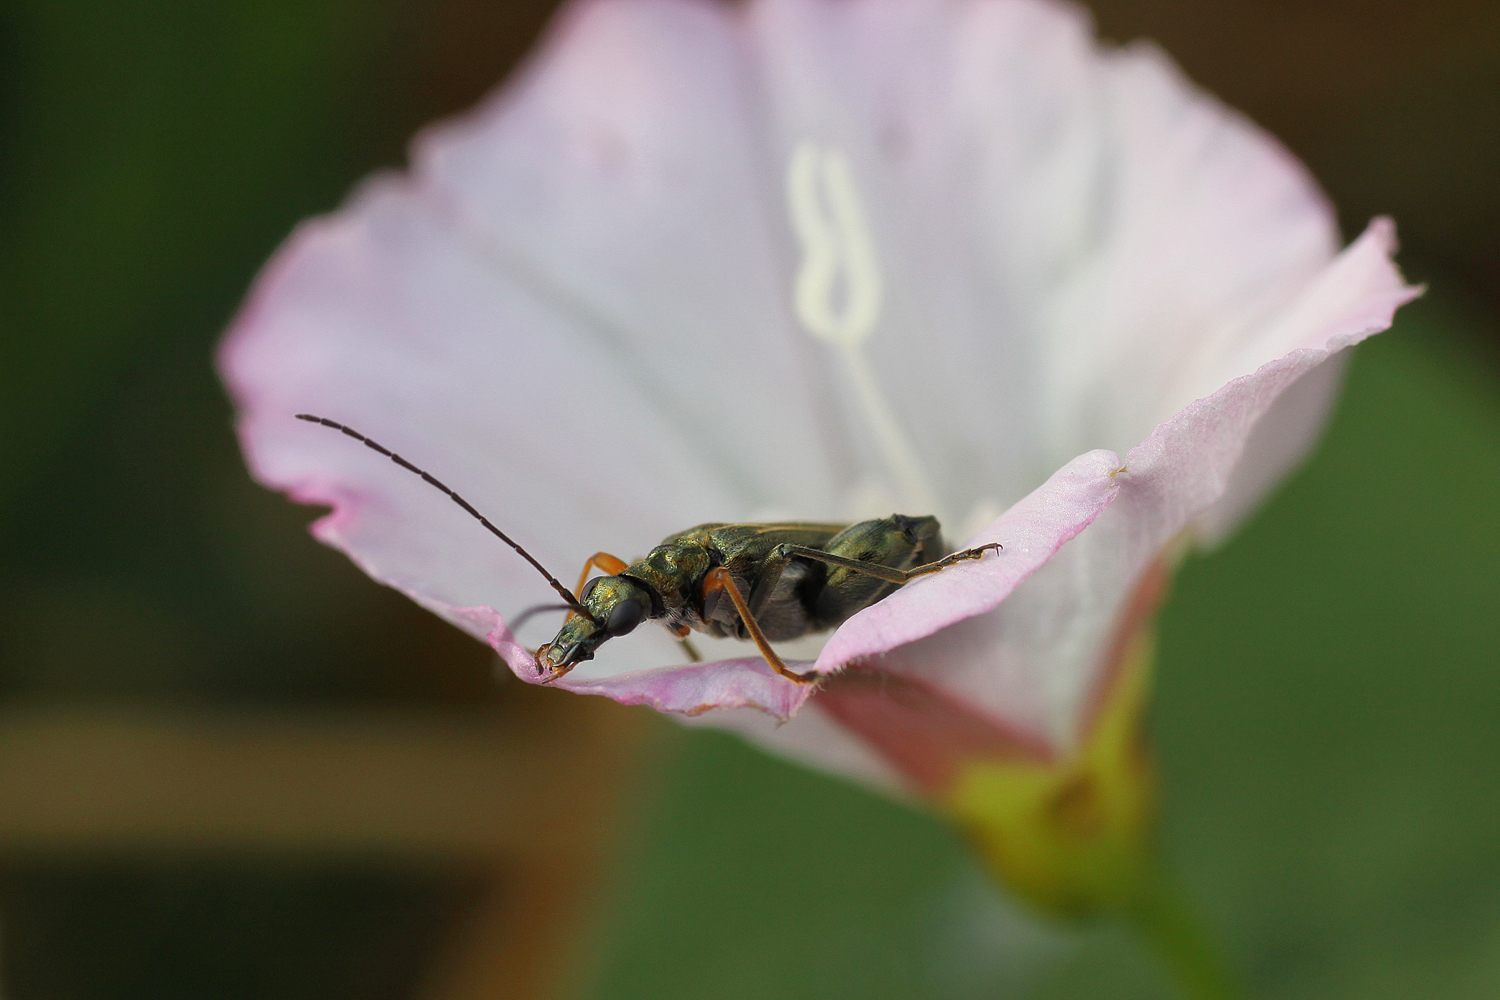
pixel 810 677
pixel 977 552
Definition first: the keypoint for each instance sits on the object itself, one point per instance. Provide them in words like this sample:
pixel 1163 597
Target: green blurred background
pixel 230 766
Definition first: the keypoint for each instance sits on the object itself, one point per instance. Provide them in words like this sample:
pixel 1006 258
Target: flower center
pixel 837 296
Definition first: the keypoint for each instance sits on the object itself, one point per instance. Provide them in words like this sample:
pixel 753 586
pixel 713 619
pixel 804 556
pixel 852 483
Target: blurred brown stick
pixel 534 796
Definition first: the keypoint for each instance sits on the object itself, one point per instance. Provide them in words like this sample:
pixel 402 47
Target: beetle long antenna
pixel 531 612
pixel 432 480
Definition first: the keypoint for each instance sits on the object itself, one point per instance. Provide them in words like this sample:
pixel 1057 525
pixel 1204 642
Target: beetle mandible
pixel 762 582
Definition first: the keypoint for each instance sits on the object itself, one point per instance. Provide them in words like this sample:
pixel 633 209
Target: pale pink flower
pixel 818 260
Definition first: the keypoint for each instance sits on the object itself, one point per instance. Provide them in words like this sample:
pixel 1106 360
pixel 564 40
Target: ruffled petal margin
pixel 1031 532
pixel 689 688
pixel 1033 661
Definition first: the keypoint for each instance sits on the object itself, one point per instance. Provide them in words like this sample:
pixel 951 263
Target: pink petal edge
pixel 695 688
pixel 1032 531
pixel 689 688
pixel 1355 297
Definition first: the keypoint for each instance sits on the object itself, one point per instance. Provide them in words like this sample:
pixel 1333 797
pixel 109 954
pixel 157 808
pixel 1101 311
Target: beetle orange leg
pixel 601 560
pixel 718 578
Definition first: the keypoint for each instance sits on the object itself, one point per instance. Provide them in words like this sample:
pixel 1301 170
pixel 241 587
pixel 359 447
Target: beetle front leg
pixel 682 632
pixel 718 579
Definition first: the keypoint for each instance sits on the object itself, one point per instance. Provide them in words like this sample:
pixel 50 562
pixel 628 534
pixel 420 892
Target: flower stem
pixel 1162 917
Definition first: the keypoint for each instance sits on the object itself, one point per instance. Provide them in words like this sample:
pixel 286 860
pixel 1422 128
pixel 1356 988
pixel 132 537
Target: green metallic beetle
pixel 782 581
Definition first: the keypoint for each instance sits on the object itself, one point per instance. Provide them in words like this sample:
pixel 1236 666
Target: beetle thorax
pixel 675 571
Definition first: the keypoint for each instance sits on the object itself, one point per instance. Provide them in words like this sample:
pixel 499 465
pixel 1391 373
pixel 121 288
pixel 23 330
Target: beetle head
pixel 615 605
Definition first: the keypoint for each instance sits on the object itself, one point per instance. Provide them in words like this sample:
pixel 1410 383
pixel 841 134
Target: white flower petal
pixel 1362 274
pixel 819 259
pixel 1032 532
pixel 621 175
pixel 383 319
pixel 1033 662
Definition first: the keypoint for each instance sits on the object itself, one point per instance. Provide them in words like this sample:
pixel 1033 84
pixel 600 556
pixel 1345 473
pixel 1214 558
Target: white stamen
pixel 836 249
pixel 837 296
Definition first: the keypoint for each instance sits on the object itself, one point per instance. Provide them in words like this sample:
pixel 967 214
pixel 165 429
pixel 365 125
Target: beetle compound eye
pixel 625 617
pixel 588 588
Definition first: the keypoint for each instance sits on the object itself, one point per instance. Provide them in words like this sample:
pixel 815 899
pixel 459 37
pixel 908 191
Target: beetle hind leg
pixel 887 573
